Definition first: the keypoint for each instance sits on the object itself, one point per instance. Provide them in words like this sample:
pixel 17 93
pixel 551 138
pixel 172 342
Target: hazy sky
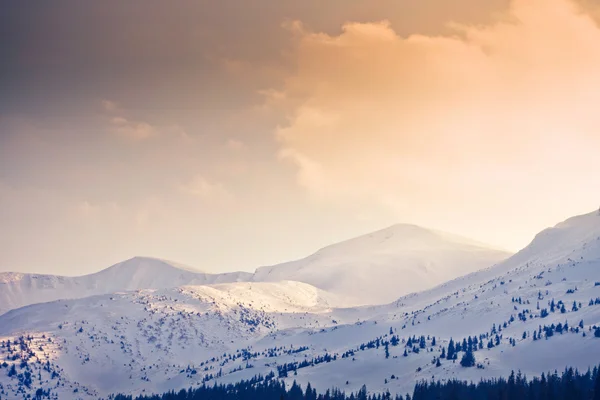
pixel 232 134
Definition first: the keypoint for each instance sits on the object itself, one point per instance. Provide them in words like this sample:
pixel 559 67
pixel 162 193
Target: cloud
pixel 109 105
pixel 488 112
pixel 135 130
pixel 139 130
pixel 234 144
pixel 200 187
pixel 95 211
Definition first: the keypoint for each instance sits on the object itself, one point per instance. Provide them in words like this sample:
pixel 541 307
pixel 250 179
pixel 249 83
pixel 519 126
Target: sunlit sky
pixel 230 134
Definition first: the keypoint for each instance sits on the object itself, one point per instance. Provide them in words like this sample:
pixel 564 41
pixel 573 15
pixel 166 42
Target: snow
pixel 421 257
pixel 18 290
pixel 158 339
pixel 379 267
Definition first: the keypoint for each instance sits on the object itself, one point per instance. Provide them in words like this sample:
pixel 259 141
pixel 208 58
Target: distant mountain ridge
pixel 371 269
pixel 18 289
pixel 534 312
pixel 379 267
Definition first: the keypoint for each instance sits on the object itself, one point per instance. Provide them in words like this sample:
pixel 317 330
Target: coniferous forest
pixel 570 385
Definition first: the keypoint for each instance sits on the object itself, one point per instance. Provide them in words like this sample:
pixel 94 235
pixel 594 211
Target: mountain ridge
pixel 152 341
pixel 20 289
pixel 387 250
pixel 394 261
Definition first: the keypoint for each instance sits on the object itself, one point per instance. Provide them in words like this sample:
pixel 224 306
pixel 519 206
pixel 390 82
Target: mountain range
pixel 405 258
pixel 331 319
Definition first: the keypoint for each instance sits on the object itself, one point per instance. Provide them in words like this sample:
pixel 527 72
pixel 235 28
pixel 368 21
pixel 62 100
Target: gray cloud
pixel 77 79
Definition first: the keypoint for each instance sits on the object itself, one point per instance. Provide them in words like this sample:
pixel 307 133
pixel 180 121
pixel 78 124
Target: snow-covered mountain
pixel 107 343
pixel 18 289
pixel 535 312
pixel 512 300
pixel 371 269
pixel 379 267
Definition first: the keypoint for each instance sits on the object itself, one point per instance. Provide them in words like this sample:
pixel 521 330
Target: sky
pixel 230 135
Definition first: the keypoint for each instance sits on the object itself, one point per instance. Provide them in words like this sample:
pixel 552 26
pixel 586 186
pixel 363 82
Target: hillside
pixel 379 267
pixel 18 290
pixel 114 342
pixel 512 300
pixel 389 263
pixel 537 311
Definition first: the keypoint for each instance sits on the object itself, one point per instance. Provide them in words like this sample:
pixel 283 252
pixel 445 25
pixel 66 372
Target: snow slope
pixel 18 290
pixel 387 263
pixel 158 340
pixel 379 267
pixel 120 342
pixel 562 264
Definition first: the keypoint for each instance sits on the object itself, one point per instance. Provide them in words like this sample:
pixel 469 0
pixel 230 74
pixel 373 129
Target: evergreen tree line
pixel 570 385
pixel 262 389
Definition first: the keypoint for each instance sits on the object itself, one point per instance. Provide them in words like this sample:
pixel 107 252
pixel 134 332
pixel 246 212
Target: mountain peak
pixel 381 266
pixel 149 264
pixel 570 232
pixel 581 231
pixel 589 221
pixel 133 274
pixel 406 231
pixel 404 237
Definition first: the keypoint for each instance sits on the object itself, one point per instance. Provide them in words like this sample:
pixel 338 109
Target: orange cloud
pixel 202 188
pixel 423 122
pixel 135 130
pixel 234 144
pixel 109 105
pixel 140 130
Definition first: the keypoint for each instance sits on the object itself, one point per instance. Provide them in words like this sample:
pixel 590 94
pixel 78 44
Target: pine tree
pixel 311 394
pixel 295 392
pixel 468 359
pixel 597 386
pixel 362 393
pixel 450 352
pixel 387 350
